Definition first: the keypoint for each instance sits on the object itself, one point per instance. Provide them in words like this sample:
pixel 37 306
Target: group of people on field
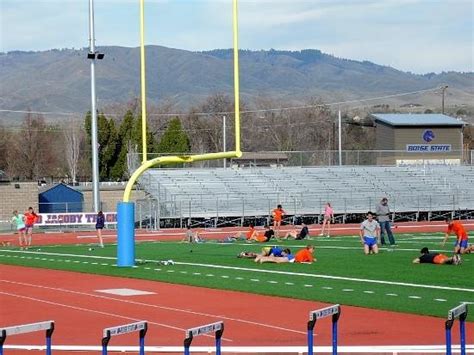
pixel 24 223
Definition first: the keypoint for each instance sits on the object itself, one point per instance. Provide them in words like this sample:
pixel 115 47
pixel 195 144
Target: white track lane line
pixel 171 309
pixel 57 304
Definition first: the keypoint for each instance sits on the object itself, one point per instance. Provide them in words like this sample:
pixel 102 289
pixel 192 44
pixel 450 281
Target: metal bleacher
pixel 235 192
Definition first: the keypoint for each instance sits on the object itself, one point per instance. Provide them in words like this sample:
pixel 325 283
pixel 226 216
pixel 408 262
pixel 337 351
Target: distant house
pixel 60 198
pixel 405 139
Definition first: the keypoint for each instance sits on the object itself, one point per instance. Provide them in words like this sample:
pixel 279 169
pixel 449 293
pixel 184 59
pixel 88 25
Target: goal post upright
pixel 126 208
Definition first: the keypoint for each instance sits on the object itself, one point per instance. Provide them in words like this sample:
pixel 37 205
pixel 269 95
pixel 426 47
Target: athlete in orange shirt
pixel 30 219
pixel 462 240
pixel 250 233
pixel 277 214
pixel 305 255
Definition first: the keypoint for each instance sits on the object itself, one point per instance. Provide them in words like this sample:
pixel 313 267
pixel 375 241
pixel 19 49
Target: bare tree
pixel 73 135
pixel 4 144
pixel 34 149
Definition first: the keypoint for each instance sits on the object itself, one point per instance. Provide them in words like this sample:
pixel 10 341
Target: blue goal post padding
pixel 125 234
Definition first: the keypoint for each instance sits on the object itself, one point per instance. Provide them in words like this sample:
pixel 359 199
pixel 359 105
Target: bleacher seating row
pixel 305 190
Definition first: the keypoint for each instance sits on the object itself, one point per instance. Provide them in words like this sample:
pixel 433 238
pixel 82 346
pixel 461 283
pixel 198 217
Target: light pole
pixel 443 88
pixel 339 129
pixel 92 55
pixel 224 140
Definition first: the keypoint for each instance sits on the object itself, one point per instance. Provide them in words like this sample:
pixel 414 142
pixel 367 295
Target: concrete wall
pixel 26 195
pixel 20 199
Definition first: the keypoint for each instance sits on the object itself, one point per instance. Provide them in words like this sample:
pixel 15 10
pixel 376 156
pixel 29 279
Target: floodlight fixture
pixel 95 55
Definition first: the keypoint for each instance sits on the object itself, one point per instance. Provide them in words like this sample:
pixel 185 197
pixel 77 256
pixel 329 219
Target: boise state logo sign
pixel 428 135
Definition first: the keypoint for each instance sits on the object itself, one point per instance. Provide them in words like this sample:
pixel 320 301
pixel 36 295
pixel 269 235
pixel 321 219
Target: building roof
pixel 59 187
pixel 415 119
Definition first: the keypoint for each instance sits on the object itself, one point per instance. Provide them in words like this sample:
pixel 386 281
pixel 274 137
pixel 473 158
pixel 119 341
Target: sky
pixel 419 36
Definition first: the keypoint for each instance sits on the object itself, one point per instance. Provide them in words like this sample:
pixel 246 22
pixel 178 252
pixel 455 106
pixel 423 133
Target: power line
pixel 178 114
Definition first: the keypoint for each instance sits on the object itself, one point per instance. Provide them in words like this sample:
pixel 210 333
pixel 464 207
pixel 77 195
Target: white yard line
pixel 273 272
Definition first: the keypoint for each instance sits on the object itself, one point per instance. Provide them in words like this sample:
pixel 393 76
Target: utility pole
pixel 443 88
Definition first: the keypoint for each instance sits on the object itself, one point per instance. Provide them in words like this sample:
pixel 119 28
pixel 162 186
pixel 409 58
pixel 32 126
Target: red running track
pixel 30 295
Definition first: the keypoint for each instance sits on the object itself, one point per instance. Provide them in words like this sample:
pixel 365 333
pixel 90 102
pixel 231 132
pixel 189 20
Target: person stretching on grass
pixel 19 220
pixel 436 258
pixel 370 234
pixel 266 251
pixel 302 256
pixel 462 240
pixel 305 255
pixel 302 234
pixel 262 238
pixel 285 257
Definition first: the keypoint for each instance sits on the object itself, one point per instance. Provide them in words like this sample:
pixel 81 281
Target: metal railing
pixel 330 158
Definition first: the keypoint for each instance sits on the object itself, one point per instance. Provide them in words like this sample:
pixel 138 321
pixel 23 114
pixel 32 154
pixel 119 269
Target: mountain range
pixel 59 80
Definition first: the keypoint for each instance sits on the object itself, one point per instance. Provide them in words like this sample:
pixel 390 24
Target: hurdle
pixel 28 328
pixel 141 327
pixel 459 312
pixel 217 327
pixel 335 312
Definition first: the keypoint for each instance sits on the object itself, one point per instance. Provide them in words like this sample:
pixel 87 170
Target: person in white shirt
pixel 370 234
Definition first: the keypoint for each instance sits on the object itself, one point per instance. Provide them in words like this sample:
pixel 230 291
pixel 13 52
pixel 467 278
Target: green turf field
pixel 343 274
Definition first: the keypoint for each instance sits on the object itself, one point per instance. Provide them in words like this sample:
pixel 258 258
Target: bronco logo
pixel 428 135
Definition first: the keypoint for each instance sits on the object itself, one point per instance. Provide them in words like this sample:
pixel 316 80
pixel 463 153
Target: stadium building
pixel 407 139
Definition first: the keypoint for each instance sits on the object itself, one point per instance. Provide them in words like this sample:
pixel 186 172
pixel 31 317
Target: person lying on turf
pixel 192 237
pixel 305 255
pixel 302 234
pixel 302 256
pixel 263 238
pixel 436 258
pixel 285 257
pixel 267 251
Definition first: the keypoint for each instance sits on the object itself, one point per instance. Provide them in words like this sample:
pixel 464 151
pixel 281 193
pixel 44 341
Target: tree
pixel 33 149
pixel 137 137
pixel 4 150
pixel 72 140
pixel 175 139
pixel 110 150
pixel 107 143
pixel 124 141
